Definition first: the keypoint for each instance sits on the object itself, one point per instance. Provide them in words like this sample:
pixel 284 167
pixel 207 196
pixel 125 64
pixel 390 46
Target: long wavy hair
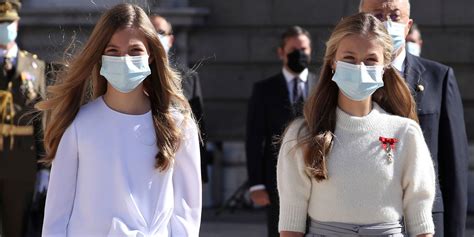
pixel 80 82
pixel 317 130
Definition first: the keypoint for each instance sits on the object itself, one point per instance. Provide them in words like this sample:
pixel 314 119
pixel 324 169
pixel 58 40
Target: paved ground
pixel 251 223
pixel 241 223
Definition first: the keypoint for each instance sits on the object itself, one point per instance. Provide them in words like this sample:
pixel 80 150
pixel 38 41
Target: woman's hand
pixel 260 197
pixel 290 234
pixel 425 235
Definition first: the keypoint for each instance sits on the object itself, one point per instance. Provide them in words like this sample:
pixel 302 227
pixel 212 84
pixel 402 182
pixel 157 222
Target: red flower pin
pixel 388 144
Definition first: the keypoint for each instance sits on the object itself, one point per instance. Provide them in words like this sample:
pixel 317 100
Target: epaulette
pixel 28 54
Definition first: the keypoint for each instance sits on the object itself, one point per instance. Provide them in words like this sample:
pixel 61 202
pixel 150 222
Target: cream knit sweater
pixel 363 187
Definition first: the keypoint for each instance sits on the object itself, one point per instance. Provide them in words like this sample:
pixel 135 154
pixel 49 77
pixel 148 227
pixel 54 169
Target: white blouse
pixel 103 181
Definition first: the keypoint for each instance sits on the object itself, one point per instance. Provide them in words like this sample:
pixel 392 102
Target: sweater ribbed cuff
pixel 420 223
pixel 293 218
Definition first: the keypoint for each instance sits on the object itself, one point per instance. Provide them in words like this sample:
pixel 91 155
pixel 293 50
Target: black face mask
pixel 298 60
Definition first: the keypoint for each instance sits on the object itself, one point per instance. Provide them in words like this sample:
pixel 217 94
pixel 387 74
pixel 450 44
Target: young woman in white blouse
pixel 357 163
pixel 123 146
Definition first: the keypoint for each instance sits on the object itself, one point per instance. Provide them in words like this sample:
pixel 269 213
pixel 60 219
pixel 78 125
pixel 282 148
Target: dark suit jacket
pixel 269 112
pixel 441 117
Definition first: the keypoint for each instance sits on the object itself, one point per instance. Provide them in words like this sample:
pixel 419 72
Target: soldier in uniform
pixel 22 82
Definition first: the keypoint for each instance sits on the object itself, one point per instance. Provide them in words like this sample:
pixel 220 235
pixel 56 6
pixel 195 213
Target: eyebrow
pixel 352 53
pixel 135 45
pixel 372 55
pixel 348 52
pixel 377 10
pixel 115 46
pixel 111 46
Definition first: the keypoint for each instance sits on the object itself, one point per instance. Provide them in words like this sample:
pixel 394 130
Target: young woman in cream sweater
pixel 357 163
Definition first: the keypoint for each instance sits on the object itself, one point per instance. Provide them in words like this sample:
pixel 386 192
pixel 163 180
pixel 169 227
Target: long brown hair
pixel 81 82
pixel 320 110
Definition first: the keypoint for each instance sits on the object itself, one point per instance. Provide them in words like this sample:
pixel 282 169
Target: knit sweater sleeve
pixel 294 185
pixel 418 182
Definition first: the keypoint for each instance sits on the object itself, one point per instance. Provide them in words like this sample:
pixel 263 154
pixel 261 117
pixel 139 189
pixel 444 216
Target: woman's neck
pixel 134 103
pixel 354 108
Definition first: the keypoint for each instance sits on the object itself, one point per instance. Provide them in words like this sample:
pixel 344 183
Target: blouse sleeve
pixel 187 186
pixel 294 185
pixel 62 186
pixel 418 182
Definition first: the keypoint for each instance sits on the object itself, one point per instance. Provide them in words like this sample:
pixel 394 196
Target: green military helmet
pixel 9 10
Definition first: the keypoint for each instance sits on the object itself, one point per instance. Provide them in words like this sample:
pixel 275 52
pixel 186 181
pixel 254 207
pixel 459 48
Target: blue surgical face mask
pixel 413 48
pixel 397 32
pixel 125 73
pixel 165 40
pixel 358 82
pixel 8 33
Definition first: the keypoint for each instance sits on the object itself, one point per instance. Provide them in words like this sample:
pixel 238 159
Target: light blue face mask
pixel 164 40
pixel 8 33
pixel 413 48
pixel 125 73
pixel 358 82
pixel 397 32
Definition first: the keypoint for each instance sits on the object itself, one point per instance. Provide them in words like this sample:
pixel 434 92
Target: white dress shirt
pixel 103 180
pixel 399 61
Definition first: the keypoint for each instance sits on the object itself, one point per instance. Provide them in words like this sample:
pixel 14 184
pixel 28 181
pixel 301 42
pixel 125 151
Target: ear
pixel 410 24
pixel 281 53
pixel 151 59
pixel 333 65
pixel 171 41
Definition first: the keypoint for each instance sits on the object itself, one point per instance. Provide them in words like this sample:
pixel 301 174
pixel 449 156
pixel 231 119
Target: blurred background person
pixel 22 82
pixel 190 82
pixel 414 42
pixel 440 113
pixel 274 103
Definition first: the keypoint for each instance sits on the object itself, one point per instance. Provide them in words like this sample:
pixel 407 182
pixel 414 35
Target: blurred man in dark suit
pixel 274 103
